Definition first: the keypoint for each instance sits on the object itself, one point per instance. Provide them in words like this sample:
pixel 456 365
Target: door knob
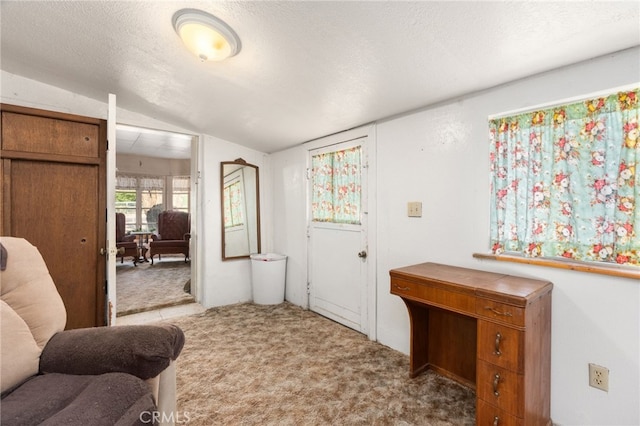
pixel 102 251
pixel 362 254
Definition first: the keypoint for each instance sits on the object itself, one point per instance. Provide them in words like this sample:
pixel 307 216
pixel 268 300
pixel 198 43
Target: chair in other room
pixel 125 244
pixel 173 236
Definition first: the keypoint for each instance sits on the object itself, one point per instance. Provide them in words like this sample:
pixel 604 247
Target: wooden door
pixel 53 172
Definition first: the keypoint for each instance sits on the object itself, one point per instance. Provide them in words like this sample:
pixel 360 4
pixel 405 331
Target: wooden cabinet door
pixel 54 195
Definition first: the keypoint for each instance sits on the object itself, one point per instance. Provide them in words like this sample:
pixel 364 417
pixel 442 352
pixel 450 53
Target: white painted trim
pixel 372 232
pixel 111 211
pixel 194 200
pixel 565 101
pixel 346 136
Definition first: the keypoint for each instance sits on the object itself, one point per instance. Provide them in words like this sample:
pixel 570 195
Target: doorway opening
pixel 153 219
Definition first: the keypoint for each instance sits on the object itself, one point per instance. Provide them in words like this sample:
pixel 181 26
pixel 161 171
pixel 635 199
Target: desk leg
pixel 419 355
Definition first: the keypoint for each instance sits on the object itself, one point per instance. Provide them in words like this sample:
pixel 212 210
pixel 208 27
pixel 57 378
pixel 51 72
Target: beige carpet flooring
pixel 249 364
pixel 146 286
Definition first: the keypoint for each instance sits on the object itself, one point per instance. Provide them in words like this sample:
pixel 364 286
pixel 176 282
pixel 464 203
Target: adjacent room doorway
pixel 153 174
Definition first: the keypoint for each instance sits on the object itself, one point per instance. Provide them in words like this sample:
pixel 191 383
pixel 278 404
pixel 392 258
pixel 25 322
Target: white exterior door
pixel 338 243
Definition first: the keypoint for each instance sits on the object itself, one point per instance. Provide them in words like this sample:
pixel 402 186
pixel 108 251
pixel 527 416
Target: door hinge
pixel 308 173
pixel 107 144
pixel 308 287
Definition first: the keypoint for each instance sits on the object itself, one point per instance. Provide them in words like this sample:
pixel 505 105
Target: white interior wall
pixel 18 90
pixel 218 283
pixel 439 155
pixel 289 218
pixel 227 282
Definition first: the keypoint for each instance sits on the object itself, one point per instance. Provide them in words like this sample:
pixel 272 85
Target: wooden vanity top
pixel 504 288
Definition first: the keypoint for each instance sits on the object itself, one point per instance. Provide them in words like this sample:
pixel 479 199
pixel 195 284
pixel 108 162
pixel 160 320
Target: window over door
pixel 336 186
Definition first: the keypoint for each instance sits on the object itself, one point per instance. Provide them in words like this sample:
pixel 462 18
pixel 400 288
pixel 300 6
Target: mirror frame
pixel 239 162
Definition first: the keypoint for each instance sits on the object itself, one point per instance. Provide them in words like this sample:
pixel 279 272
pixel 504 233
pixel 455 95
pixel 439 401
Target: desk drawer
pixel 500 387
pixel 501 345
pixel 432 295
pixel 500 311
pixel 487 415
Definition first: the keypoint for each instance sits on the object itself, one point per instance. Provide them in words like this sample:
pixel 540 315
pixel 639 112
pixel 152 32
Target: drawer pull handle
pixel 496 419
pixel 498 338
pixel 403 288
pixel 504 314
pixel 496 380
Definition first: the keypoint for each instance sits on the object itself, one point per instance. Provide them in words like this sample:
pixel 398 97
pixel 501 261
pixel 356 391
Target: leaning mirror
pixel 240 209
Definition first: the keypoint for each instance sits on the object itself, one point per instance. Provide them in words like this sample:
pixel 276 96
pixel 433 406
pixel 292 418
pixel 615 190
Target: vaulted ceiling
pixel 307 68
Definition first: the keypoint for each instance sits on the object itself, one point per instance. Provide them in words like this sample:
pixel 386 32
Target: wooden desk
pixel 488 331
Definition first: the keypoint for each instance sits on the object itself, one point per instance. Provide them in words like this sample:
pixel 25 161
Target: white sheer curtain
pixel 149 183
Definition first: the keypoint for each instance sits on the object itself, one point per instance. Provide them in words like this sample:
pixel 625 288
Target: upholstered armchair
pixel 173 236
pixel 122 375
pixel 125 244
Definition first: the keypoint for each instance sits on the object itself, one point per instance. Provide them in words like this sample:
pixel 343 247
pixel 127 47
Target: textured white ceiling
pixel 152 143
pixel 306 69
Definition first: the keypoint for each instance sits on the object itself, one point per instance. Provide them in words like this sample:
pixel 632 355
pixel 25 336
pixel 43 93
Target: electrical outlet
pixel 599 377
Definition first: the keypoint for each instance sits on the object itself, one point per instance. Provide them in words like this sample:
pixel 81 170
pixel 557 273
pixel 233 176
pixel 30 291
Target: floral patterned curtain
pixel 336 186
pixel 565 181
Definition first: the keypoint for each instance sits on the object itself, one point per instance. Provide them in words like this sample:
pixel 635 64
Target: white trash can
pixel 268 272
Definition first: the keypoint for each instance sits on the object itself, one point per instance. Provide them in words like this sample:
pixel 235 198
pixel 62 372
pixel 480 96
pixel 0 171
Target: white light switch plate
pixel 414 209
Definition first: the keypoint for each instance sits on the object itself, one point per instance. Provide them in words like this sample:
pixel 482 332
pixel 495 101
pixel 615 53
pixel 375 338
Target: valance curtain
pixel 148 183
pixel 181 183
pixel 565 181
pixel 336 186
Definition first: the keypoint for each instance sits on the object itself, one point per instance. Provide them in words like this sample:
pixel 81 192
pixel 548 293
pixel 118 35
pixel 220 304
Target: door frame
pixel 194 202
pixel 369 132
pixel 111 212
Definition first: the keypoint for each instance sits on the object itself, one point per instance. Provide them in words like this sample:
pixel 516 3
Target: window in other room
pixel 181 186
pixel 141 199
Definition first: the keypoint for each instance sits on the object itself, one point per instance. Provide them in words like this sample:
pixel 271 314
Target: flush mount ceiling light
pixel 209 38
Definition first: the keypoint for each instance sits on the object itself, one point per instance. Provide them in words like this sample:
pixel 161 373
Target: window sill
pixel 613 270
